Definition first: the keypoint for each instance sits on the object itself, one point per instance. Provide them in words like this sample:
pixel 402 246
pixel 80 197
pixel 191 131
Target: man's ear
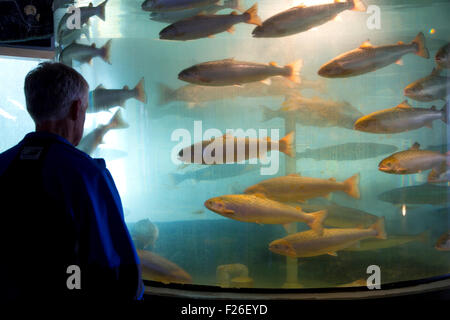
pixel 75 110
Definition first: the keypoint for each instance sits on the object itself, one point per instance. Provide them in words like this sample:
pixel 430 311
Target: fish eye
pixel 180 154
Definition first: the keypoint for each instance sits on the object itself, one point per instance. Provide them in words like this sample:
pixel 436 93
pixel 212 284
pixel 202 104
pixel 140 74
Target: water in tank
pixel 271 144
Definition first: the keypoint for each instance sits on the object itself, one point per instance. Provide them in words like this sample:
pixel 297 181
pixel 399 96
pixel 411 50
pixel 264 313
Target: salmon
pixel 368 58
pixel 413 161
pixel 295 188
pixel 400 119
pixel 249 208
pixel 231 72
pixel 234 149
pixel 301 18
pixel 84 54
pixel 310 244
pixel 202 25
pixel 430 88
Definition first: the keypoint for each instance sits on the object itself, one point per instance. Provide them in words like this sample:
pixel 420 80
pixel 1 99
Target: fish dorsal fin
pixel 273 64
pixel 415 146
pixel 234 13
pixel 404 105
pixel 300 6
pixel 366 45
pixel 100 86
pixel 400 42
pixel 126 88
pixel 433 108
pixel 332 179
pixel 93 45
pixel 90 5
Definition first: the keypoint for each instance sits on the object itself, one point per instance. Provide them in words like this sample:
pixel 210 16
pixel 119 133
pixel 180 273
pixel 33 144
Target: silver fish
pixel 400 119
pixel 91 141
pixel 302 18
pixel 229 72
pixel 85 14
pixel 84 54
pixel 432 87
pixel 202 25
pixel 368 58
pixel 442 57
pixel 103 99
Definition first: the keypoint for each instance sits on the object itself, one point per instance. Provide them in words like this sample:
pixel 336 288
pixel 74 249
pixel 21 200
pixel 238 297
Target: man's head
pixel 57 99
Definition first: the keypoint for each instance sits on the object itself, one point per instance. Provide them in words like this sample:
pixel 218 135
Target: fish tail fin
pixel 286 144
pixel 445 115
pixel 422 50
pixel 176 178
pixel 294 71
pixel 379 228
pixel 357 5
pixel 352 186
pixel 140 91
pixel 117 121
pixel 106 52
pixel 269 114
pixel 101 10
pixel 166 94
pixel 233 4
pixel 252 15
pixel 319 218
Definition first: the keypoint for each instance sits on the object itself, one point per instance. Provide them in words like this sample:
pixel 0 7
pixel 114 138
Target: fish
pixel 295 188
pixel 174 16
pixel 68 36
pixel 157 268
pixel 84 54
pixel 207 25
pixel 389 242
pixel 368 58
pixel 439 176
pixel 310 244
pixel 144 234
pixel 342 217
pixel 301 18
pixel 195 95
pixel 103 99
pixel 443 243
pixel 243 149
pixel 255 209
pixel 401 118
pixel 348 151
pixel 229 72
pixel 85 14
pixel 421 194
pixel 174 5
pixel 315 112
pixel 214 173
pixel 430 88
pixel 442 57
pixel 91 141
pixel 414 161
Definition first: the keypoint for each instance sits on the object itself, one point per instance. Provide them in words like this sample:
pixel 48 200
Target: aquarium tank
pixel 262 144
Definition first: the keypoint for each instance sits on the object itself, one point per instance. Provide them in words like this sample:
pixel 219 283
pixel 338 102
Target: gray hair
pixel 50 90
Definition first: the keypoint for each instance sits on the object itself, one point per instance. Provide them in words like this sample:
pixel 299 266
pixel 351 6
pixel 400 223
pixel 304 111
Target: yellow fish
pixel 309 244
pixel 250 208
pixel 294 187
